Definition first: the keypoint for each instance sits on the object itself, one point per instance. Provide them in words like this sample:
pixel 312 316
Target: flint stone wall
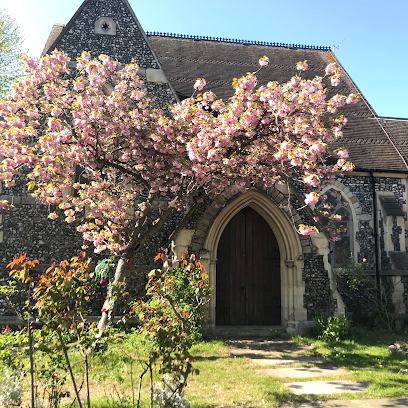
pixel 128 43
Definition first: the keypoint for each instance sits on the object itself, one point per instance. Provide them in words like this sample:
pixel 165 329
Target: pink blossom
pixel 256 135
pixel 343 153
pixel 240 184
pixel 264 61
pixel 312 180
pixel 302 66
pixel 338 100
pixel 317 148
pixel 209 96
pixel 200 84
pixel 331 68
pixel 348 167
pixel 312 198
pixel 335 80
pixel 137 94
pixel 307 230
pixel 52 124
pixel 352 99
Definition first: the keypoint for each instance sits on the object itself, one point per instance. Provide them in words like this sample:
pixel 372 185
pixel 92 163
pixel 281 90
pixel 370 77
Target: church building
pixel 264 273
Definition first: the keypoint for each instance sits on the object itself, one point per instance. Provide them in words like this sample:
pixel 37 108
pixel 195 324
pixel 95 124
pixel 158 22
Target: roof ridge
pixel 236 41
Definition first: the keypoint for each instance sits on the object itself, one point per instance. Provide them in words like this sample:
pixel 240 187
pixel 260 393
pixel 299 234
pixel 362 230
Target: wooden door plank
pixel 248 272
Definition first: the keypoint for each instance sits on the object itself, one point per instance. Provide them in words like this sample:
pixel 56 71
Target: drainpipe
pixel 376 243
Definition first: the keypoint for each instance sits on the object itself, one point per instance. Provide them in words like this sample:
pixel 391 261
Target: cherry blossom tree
pixel 131 154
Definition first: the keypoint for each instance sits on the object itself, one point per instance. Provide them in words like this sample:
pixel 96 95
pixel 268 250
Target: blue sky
pixel 371 35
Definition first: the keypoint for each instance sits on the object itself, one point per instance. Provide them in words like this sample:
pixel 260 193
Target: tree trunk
pixel 120 274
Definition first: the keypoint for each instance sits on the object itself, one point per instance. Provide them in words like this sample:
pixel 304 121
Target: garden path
pixel 272 353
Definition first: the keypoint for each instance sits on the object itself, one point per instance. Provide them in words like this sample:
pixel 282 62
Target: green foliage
pixel 105 270
pixel 353 275
pixel 13 353
pixel 59 295
pixel 51 370
pixel 172 319
pixel 369 304
pixel 10 53
pixel 173 316
pixel 332 328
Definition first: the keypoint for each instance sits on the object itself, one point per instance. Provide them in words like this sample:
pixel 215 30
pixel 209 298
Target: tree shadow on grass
pixel 360 361
pixel 210 358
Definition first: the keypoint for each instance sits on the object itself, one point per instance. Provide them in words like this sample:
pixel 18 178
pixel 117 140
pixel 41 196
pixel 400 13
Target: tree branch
pixel 124 170
pixel 155 228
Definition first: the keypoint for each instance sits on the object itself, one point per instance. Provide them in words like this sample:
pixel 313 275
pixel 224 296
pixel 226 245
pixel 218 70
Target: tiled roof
pixel 367 138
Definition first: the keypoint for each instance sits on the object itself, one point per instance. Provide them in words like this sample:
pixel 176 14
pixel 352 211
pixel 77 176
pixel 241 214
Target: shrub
pixel 332 328
pixel 369 304
pixel 173 315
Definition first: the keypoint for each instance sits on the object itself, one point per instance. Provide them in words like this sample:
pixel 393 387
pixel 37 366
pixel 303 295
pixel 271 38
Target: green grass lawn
pixel 228 381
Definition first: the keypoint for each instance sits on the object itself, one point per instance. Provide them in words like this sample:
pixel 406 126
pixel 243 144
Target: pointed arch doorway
pixel 248 272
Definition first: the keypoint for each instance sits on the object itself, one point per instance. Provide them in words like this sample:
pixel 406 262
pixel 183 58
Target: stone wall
pixel 365 238
pixel 404 281
pixel 318 295
pixel 27 230
pixel 127 43
pixel 395 235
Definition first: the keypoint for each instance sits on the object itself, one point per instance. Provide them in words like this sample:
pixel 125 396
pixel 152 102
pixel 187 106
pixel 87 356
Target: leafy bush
pixel 369 304
pixel 174 314
pixel 172 319
pixel 332 328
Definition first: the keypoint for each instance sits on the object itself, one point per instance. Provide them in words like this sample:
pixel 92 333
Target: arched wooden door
pixel 248 273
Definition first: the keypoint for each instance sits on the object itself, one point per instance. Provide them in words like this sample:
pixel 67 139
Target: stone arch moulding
pixel 294 315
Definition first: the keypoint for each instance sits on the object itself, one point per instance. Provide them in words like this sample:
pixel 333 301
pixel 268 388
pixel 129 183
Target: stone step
pixel 326 387
pixel 304 372
pixel 239 332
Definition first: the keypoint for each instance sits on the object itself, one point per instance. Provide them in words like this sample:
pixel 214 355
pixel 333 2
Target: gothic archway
pixel 248 272
pixel 290 254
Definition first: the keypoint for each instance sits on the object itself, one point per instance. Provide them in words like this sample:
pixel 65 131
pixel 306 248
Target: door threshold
pixel 250 331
